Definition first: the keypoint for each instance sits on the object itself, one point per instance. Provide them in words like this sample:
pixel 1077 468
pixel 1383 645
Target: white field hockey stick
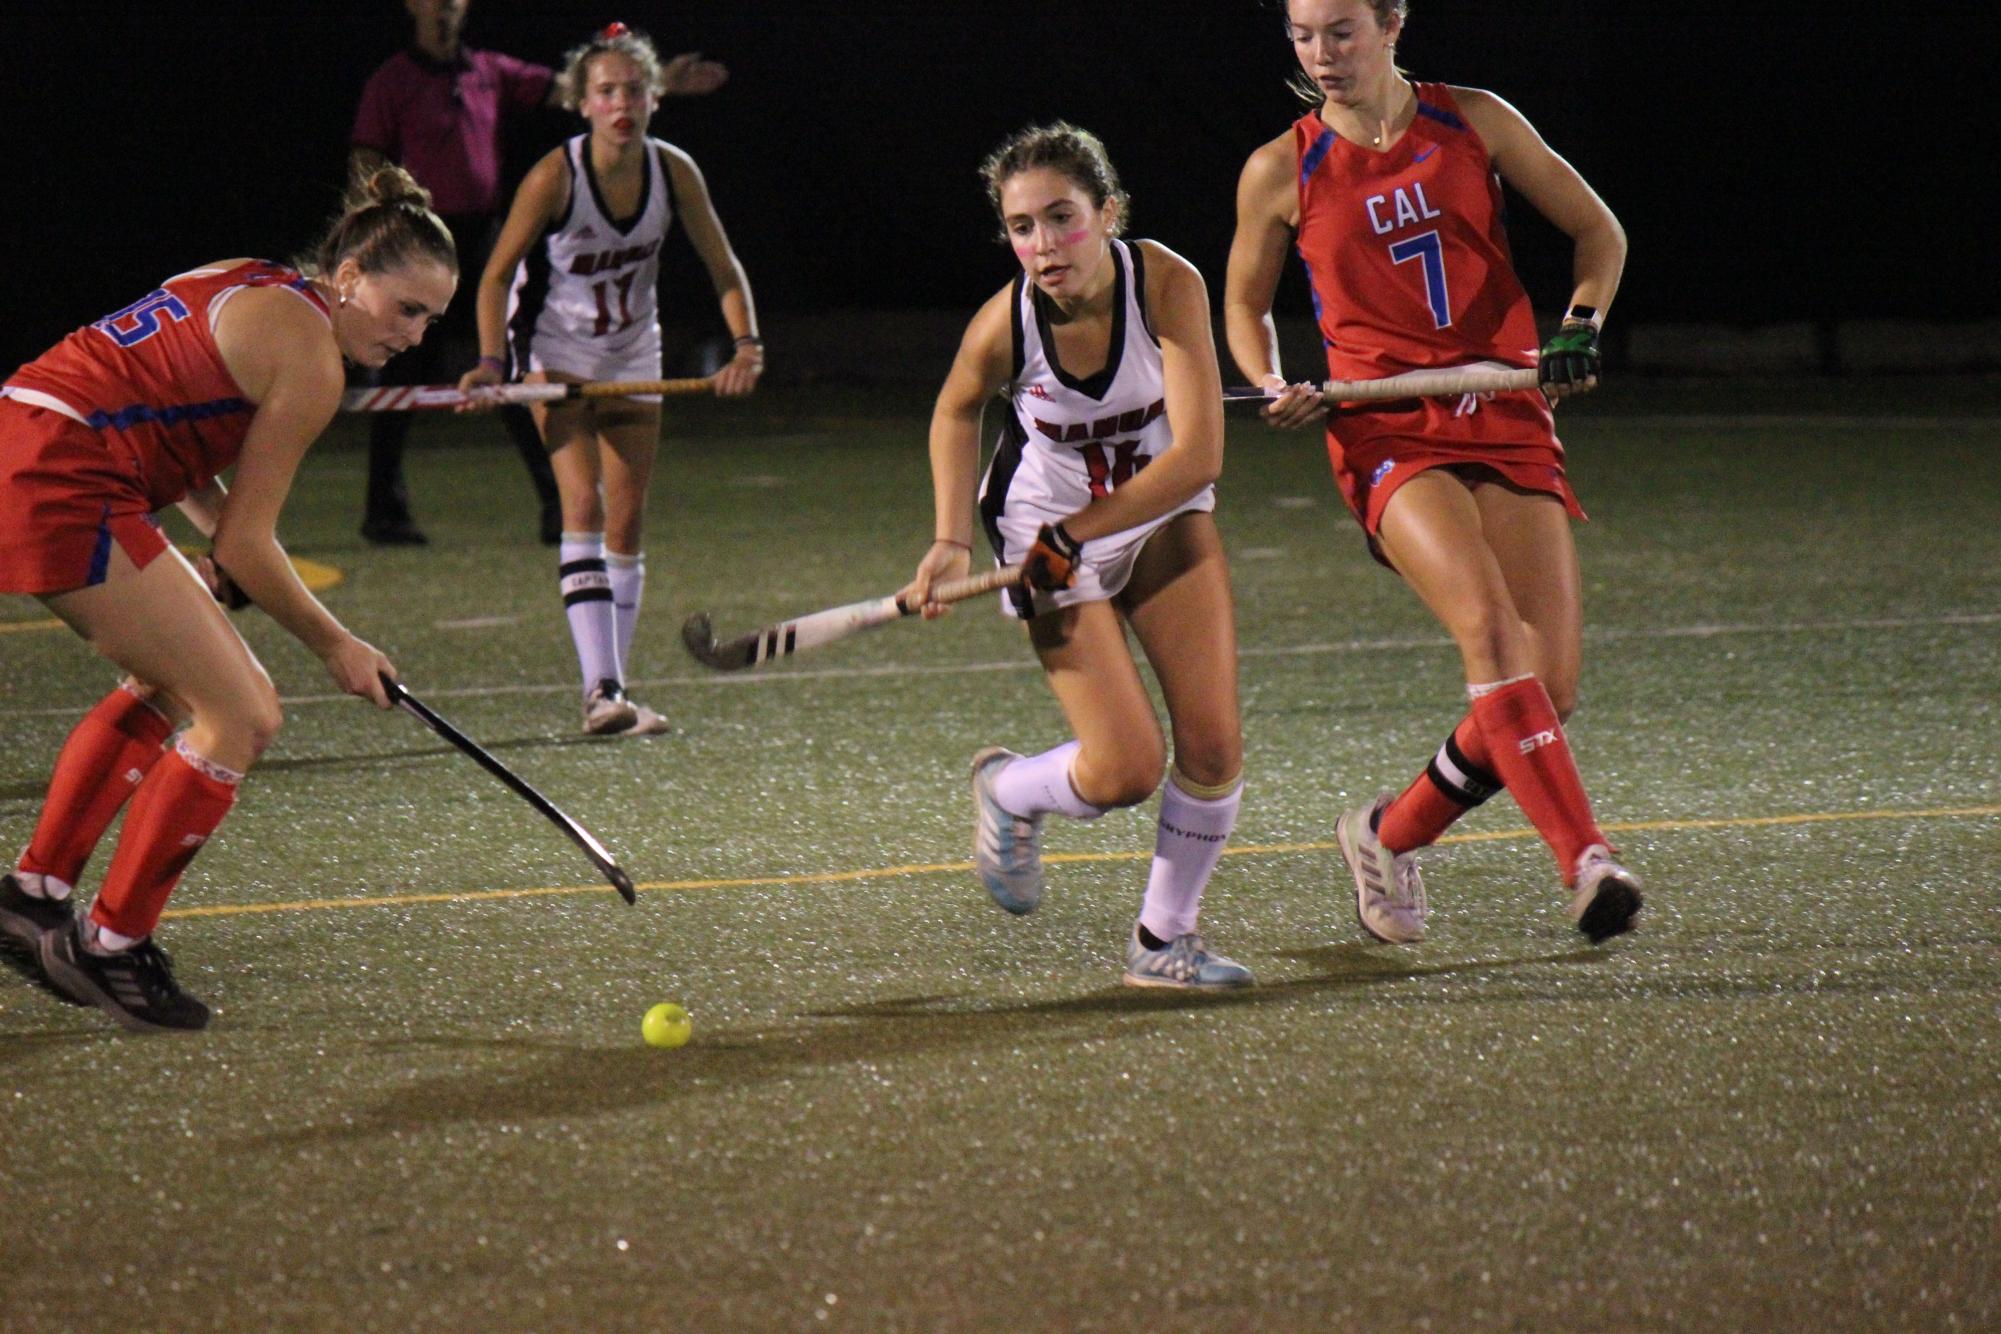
pixel 824 627
pixel 1482 377
pixel 421 397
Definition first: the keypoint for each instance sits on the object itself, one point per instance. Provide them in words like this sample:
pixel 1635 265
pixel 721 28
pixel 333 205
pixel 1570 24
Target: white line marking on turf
pixel 934 868
pixel 1025 663
pixel 476 623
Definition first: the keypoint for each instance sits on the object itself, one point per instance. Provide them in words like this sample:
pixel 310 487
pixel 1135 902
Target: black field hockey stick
pixel 423 397
pixel 581 836
pixel 824 627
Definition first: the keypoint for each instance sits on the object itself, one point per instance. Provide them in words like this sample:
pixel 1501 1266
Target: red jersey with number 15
pixel 151 382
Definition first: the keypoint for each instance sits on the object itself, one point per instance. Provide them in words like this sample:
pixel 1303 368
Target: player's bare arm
pixel 281 353
pixel 1554 189
pixel 978 371
pixel 1267 218
pixel 1178 305
pixel 726 275
pixel 544 194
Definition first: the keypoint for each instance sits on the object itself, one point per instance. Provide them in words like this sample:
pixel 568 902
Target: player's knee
pixel 1209 762
pixel 259 721
pixel 1124 779
pixel 1562 696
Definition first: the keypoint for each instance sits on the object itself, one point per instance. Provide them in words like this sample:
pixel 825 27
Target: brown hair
pixel 1309 92
pixel 1061 146
pixel 385 221
pixel 613 39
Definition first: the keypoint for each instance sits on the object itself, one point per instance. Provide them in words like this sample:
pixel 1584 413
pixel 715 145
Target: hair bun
pixel 393 185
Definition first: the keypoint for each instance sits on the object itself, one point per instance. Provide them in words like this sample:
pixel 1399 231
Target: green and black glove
pixel 1570 358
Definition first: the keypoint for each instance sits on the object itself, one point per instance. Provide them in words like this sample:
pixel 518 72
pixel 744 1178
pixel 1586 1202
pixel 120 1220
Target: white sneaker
pixel 1389 892
pixel 1007 851
pixel 648 723
pixel 607 710
pixel 1185 963
pixel 1605 896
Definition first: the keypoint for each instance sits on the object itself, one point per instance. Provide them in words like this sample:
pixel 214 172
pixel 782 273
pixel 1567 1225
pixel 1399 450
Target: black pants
pixel 447 352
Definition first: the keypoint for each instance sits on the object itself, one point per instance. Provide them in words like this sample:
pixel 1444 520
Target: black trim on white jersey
pixel 569 198
pixel 1014 324
pixel 528 302
pixel 993 499
pixel 625 227
pixel 1099 383
pixel 1139 290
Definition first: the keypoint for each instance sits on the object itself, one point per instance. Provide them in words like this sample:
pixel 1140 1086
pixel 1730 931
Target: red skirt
pixel 63 502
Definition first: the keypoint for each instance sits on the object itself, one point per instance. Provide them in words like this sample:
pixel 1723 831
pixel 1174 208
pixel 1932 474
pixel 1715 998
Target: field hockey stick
pixel 422 397
pixel 824 627
pixel 581 836
pixel 1483 377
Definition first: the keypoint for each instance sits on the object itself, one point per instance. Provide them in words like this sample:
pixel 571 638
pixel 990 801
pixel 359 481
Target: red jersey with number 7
pixel 1407 254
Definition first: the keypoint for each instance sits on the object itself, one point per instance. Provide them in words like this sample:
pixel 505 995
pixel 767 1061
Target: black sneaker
pixel 136 986
pixel 24 918
pixel 394 532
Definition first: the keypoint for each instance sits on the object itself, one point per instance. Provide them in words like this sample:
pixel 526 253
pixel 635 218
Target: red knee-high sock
pixel 176 809
pixel 1459 777
pixel 1532 757
pixel 102 763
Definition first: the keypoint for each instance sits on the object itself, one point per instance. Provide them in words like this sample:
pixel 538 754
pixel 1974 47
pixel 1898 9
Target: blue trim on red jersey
pixel 1318 153
pixel 100 555
pixel 1441 115
pixel 138 414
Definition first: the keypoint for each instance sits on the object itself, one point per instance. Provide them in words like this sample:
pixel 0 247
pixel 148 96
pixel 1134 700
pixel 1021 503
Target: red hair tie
pixel 613 31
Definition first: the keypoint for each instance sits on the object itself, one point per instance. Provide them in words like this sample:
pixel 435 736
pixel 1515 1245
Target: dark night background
pixel 1770 163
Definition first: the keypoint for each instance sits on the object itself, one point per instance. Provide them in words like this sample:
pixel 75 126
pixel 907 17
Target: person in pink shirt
pixel 441 109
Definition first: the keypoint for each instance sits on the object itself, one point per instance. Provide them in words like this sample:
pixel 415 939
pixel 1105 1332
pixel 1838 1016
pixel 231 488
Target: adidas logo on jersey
pixel 587 233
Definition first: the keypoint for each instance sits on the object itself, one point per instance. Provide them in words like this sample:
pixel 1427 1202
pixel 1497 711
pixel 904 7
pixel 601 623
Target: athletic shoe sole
pixel 1612 910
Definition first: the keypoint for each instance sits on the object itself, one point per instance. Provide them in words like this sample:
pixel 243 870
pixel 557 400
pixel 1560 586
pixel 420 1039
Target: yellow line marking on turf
pixel 315 575
pixel 939 868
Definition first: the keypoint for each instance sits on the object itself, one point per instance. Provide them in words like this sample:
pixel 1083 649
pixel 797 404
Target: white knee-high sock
pixel 1039 784
pixel 587 604
pixel 628 584
pixel 1186 846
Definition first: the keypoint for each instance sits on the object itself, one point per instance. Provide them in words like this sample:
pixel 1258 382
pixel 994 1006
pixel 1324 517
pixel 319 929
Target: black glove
pixel 225 590
pixel 1052 562
pixel 1571 357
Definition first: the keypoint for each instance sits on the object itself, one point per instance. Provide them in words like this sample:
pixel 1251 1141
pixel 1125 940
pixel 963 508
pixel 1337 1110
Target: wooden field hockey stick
pixel 579 835
pixel 824 627
pixel 1482 377
pixel 424 397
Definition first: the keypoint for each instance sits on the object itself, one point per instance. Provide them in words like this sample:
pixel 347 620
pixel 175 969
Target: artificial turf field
pixel 424 1102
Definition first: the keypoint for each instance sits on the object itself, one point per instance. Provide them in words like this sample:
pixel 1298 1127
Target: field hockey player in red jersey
pixel 570 292
pixel 238 362
pixel 1391 191
pixel 1101 487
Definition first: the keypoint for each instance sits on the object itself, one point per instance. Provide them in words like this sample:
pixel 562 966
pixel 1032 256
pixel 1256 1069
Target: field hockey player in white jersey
pixel 570 292
pixel 1102 487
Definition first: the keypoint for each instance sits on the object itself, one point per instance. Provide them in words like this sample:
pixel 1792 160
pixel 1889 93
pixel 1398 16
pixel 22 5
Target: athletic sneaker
pixel 134 986
pixel 607 710
pixel 1605 896
pixel 1184 963
pixel 1389 892
pixel 1006 846
pixel 24 916
pixel 646 723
